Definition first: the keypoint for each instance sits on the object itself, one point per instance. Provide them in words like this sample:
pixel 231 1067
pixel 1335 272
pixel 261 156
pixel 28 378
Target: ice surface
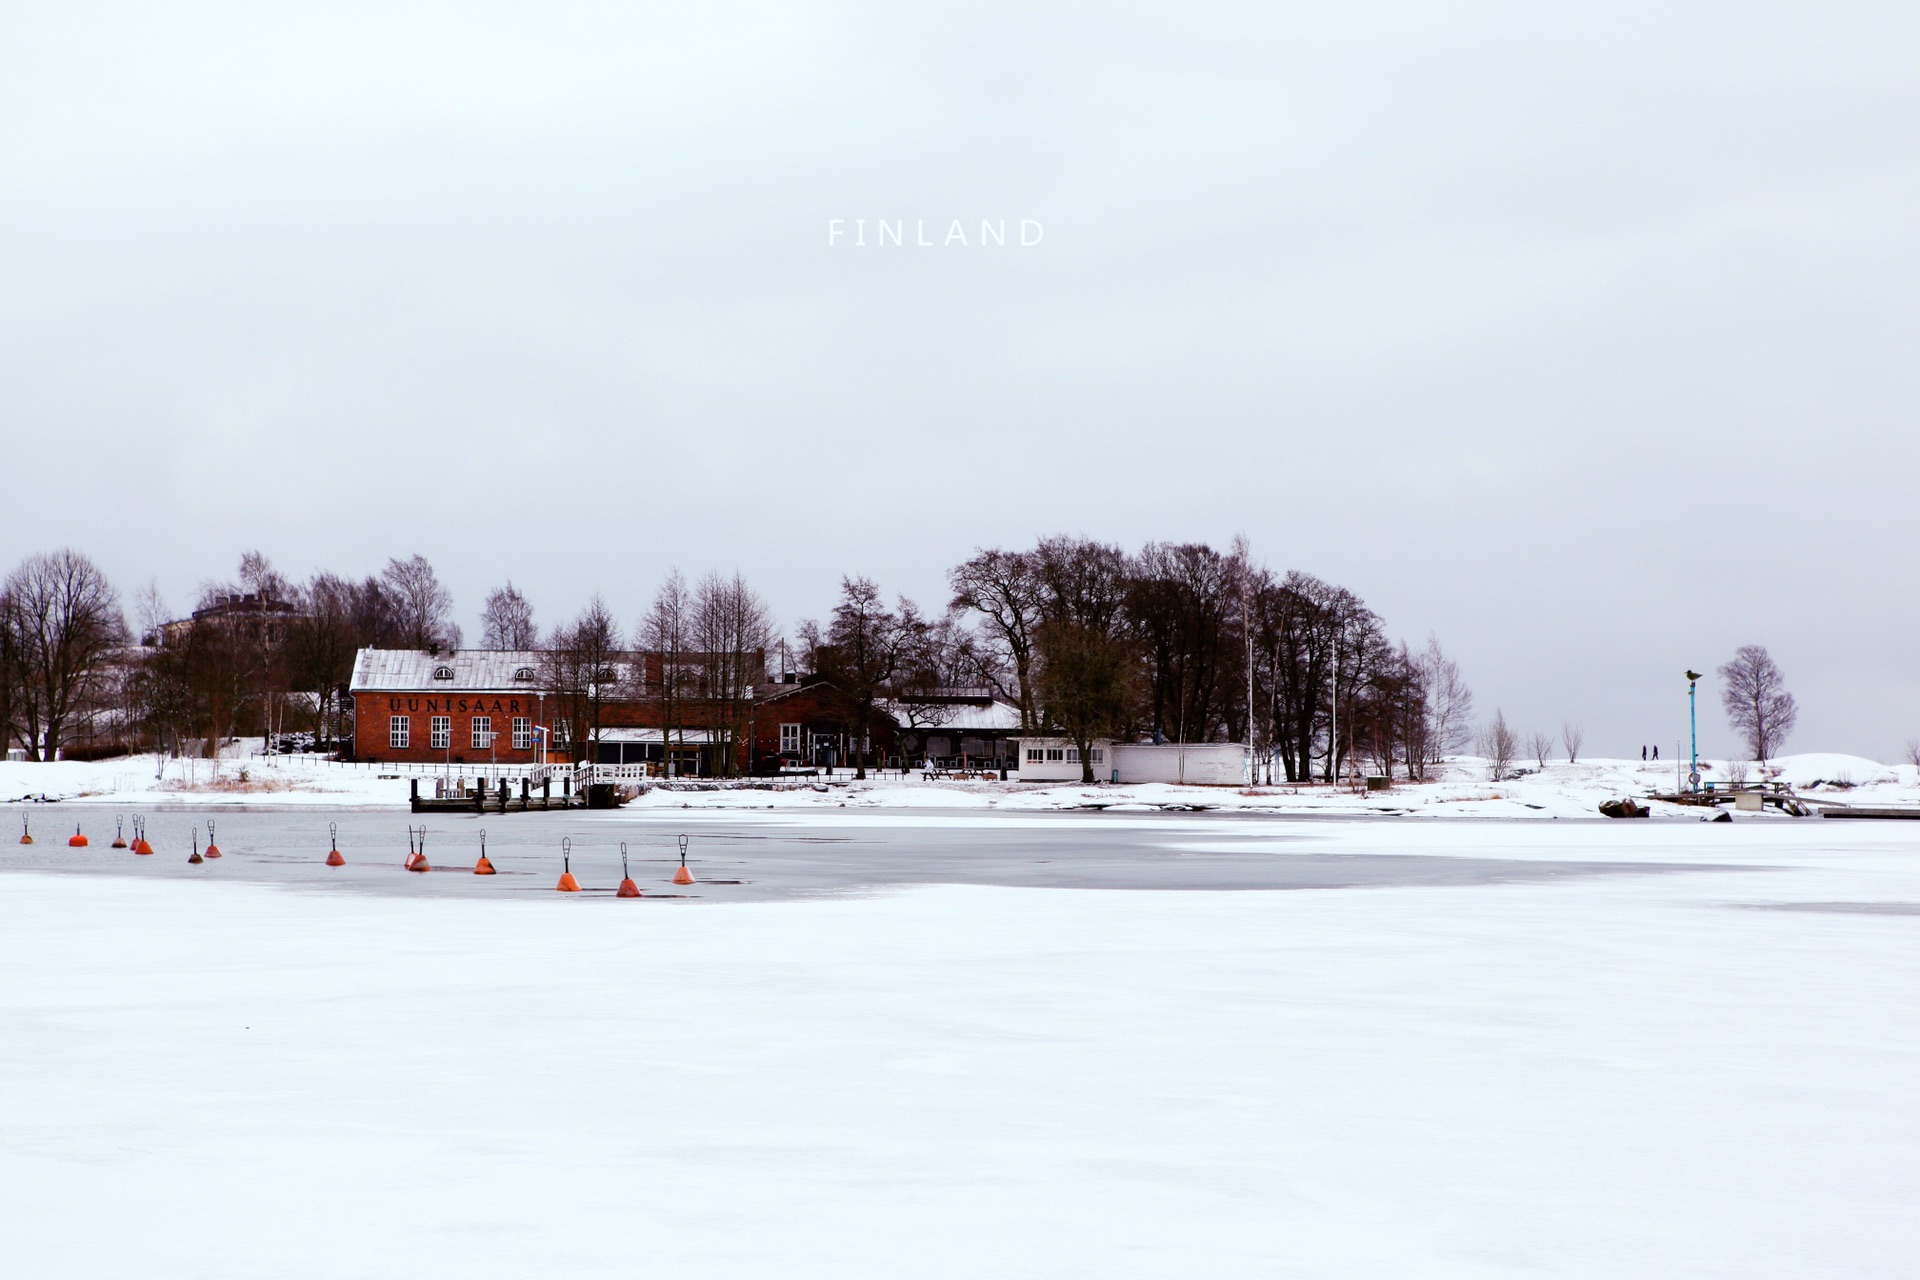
pixel 1605 1075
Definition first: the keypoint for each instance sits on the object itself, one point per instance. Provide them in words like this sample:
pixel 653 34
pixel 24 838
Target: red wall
pixel 371 712
pixel 816 707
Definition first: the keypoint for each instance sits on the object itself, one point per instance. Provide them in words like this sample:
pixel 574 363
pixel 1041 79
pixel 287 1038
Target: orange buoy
pixel 567 883
pixel 683 876
pixel 119 840
pixel 26 836
pixel 196 849
pixel 417 856
pixel 628 889
pixel 483 867
pixel 77 841
pixel 213 850
pixel 333 846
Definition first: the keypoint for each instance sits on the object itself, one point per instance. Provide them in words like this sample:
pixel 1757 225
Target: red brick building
pixel 477 706
pixel 467 707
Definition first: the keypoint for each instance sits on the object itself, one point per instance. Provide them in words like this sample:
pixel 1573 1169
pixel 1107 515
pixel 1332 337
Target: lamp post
pixel 1693 730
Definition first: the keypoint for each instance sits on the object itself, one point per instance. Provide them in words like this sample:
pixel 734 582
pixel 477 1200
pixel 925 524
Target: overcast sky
pixel 1584 336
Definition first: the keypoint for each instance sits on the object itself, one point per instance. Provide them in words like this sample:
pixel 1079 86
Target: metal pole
pixel 1693 729
pixel 1333 714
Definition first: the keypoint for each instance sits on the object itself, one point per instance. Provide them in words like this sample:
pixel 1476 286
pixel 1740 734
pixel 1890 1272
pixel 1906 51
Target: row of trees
pixel 260 646
pixel 1179 642
pixel 257 651
pixel 1502 745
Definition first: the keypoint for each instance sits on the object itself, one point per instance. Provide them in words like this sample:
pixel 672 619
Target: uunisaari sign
pixel 920 233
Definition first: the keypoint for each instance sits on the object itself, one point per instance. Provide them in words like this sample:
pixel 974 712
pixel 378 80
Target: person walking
pixel 1656 751
pixel 1643 753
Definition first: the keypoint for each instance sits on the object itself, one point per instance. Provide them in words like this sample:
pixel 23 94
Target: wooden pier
pixel 482 798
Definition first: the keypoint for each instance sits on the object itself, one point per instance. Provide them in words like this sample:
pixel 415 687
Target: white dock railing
pixel 590 775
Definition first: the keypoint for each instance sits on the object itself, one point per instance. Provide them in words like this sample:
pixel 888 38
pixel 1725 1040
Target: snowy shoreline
pixel 1459 789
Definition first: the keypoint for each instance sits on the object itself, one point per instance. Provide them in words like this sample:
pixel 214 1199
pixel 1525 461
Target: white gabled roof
pixel 474 670
pixel 955 717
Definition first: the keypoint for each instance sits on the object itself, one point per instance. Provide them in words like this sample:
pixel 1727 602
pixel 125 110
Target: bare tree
pixel 1757 701
pixel 339 618
pixel 1540 746
pixel 1449 702
pixel 731 630
pixel 1913 752
pixel 13 671
pixel 1006 589
pixel 1086 669
pixel 68 624
pixel 582 671
pixel 258 576
pixel 937 657
pixel 422 607
pixel 1295 622
pixel 860 653
pixel 1182 606
pixel 506 621
pixel 1571 736
pixel 1499 744
pixel 665 670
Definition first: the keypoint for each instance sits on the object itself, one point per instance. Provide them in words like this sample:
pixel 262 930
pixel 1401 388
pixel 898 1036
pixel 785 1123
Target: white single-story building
pixel 1058 760
pixel 1199 763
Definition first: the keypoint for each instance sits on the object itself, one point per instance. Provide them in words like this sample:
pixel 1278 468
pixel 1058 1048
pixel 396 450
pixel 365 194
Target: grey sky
pixel 1582 336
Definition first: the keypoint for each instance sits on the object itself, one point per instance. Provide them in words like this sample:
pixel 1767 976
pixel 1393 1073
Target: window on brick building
pixel 399 733
pixel 522 733
pixel 482 732
pixel 790 738
pixel 440 733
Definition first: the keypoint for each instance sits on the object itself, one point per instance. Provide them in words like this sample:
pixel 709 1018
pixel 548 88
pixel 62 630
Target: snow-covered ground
pixel 1698 1064
pixel 1460 789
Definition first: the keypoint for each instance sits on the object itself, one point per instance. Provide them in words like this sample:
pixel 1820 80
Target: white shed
pixel 1202 763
